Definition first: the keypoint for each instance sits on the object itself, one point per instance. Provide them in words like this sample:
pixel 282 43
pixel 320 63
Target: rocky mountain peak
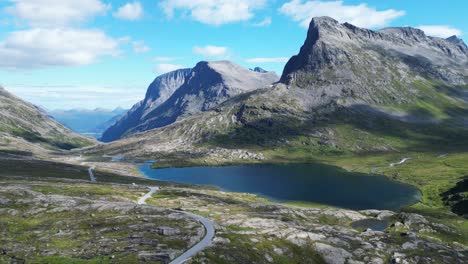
pixel 335 53
pixel 184 92
pixel 457 41
pixel 164 86
pixel 323 22
pixel 259 69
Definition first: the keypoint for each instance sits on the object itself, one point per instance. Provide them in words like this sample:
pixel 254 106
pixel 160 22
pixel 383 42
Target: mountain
pixel 258 69
pixel 24 126
pixel 181 93
pixel 373 61
pixel 349 89
pixel 88 122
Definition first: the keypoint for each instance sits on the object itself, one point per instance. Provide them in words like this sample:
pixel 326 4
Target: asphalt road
pixel 205 242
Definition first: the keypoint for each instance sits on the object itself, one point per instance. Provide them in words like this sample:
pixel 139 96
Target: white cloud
pixel 440 31
pixel 265 22
pixel 140 47
pixel 359 15
pixel 55 12
pixel 130 11
pixel 165 68
pixel 36 48
pixel 214 12
pixel 87 96
pixel 211 51
pixel 268 60
pixel 125 40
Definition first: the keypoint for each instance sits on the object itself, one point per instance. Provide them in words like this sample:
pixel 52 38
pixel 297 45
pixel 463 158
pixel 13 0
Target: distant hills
pixel 25 127
pixel 349 89
pixel 88 122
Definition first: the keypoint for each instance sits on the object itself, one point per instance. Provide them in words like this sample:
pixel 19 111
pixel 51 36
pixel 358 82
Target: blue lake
pixel 316 183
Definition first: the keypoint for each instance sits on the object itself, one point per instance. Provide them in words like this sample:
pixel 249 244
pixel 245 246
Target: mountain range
pixel 348 89
pixel 88 122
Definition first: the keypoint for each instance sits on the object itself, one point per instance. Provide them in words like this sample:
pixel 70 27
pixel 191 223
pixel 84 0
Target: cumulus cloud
pixel 359 15
pixel 166 67
pixel 140 47
pixel 214 12
pixel 265 22
pixel 55 12
pixel 211 51
pixel 37 48
pixel 268 60
pixel 440 31
pixel 130 11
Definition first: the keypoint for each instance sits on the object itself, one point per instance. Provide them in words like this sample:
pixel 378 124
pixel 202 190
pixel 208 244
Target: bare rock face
pixel 373 64
pixel 184 92
pixel 158 92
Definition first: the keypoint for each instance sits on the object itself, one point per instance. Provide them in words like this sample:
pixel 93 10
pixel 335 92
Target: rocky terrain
pixel 184 92
pixel 52 214
pixel 25 127
pixel 78 221
pixel 272 233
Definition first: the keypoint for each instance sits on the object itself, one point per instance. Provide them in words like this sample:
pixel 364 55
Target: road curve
pixel 143 199
pixel 205 242
pixel 399 163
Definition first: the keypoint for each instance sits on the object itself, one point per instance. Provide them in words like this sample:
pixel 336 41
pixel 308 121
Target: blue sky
pixel 100 53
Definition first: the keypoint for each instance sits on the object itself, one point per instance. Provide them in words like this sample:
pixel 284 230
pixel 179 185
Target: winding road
pixel 205 242
pixel 399 163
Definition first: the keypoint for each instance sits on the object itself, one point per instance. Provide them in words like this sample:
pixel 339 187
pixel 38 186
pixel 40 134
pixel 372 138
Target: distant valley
pixel 88 122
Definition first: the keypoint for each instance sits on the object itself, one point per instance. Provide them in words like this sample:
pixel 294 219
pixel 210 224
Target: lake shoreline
pixel 411 195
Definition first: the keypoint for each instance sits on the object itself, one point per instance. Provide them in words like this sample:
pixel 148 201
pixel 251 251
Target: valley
pixel 358 153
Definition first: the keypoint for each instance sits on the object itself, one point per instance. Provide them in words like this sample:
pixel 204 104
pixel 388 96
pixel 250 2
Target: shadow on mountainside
pixel 418 130
pixel 456 198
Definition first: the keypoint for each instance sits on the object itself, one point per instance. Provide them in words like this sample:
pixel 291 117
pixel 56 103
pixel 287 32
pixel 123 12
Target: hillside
pixel 24 127
pixel 181 93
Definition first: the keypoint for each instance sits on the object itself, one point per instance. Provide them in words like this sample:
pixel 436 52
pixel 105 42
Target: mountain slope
pixel 348 90
pixel 23 124
pixel 185 92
